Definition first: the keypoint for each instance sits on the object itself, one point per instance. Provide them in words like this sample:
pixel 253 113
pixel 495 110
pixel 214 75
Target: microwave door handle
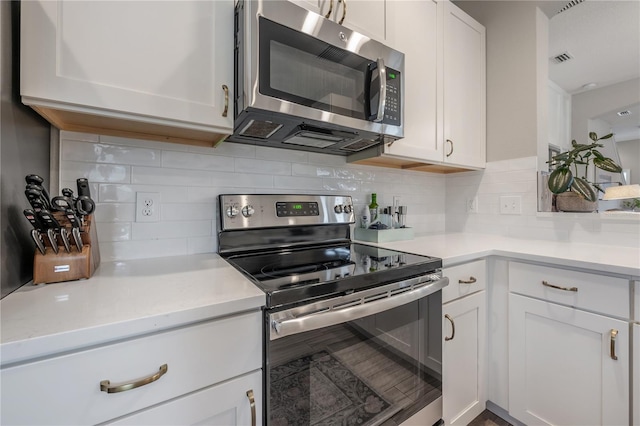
pixel 287 327
pixel 382 76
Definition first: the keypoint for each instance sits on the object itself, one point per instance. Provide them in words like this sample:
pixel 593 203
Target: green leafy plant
pixel 578 158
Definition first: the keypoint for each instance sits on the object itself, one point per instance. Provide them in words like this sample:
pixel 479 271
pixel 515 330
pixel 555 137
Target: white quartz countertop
pixel 457 248
pixel 131 298
pixel 123 299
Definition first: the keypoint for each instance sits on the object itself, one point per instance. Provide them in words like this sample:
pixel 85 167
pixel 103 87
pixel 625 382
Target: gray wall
pixel 513 75
pixel 629 152
pixel 24 149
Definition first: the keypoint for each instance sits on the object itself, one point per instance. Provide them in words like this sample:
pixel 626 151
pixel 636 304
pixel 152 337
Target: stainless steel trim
pixel 382 76
pixel 338 310
pixel 265 216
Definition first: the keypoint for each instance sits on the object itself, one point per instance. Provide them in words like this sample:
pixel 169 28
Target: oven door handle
pixel 287 327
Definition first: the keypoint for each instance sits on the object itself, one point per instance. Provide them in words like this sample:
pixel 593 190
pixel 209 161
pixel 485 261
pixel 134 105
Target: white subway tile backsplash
pixel 104 153
pixel 251 165
pixel 194 161
pixel 164 230
pixel 184 212
pixel 95 172
pixel 190 178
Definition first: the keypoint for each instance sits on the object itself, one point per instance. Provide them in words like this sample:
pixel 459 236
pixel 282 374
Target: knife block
pixel 54 267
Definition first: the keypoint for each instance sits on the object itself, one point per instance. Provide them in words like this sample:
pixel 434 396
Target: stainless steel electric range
pixel 352 332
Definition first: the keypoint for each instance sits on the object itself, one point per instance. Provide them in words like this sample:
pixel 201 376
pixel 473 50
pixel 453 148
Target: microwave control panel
pixel 393 101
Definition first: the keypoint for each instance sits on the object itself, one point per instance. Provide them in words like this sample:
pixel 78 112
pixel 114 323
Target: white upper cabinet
pixel 366 17
pixel 464 88
pixel 131 67
pixel 414 25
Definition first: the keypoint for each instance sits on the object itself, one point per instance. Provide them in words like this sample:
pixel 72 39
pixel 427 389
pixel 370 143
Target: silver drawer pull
pixel 546 284
pixel 252 402
pixel 106 386
pixel 453 328
pixel 471 280
pixel 614 333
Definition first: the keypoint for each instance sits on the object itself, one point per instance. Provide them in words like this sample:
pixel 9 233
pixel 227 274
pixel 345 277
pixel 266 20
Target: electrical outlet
pixel 472 205
pixel 147 206
pixel 511 204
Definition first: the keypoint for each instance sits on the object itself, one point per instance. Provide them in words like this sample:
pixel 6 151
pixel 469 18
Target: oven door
pixel 365 358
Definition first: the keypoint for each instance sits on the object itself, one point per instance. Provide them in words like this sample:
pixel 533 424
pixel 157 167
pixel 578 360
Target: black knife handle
pixel 83 187
pixel 67 192
pixel 72 218
pixel 48 220
pixel 37 180
pixel 33 220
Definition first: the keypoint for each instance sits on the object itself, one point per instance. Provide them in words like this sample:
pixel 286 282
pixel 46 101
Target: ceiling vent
pixel 624 113
pixel 563 57
pixel 569 5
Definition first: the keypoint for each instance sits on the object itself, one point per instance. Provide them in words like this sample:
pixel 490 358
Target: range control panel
pixel 248 211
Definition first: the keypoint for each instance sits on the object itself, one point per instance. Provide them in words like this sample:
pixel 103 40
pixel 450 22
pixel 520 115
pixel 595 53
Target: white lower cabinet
pixel 180 376
pixel 464 347
pixel 566 366
pixel 233 403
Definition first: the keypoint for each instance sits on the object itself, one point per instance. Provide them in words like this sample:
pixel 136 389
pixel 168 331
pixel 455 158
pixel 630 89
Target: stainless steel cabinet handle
pixel 226 100
pixel 471 280
pixel 330 9
pixel 546 284
pixel 252 402
pixel 614 333
pixel 344 11
pixel 449 141
pixel 106 386
pixel 453 328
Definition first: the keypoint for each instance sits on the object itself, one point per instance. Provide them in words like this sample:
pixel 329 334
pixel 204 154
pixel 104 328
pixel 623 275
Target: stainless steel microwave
pixel 305 82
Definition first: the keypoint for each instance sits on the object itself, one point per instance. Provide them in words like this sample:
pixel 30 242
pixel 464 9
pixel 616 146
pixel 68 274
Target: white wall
pixel 190 178
pixel 518 177
pixel 629 152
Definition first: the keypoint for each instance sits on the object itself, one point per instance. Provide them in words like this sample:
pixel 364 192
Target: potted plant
pixel 566 178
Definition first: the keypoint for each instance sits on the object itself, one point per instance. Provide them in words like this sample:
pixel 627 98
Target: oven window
pixel 380 369
pixel 304 70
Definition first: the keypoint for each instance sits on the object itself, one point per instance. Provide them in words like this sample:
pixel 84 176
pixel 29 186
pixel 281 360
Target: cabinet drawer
pixel 464 279
pixel 66 389
pixel 597 293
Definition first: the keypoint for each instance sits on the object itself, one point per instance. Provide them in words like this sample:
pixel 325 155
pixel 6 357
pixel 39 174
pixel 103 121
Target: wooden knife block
pixel 54 267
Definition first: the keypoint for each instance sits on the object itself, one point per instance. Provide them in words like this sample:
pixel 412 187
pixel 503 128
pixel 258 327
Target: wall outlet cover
pixel 147 206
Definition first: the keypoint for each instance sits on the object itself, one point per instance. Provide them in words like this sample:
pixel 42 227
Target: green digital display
pixel 392 75
pixel 297 206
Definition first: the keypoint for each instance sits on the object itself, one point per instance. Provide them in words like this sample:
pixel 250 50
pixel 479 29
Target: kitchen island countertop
pixel 125 299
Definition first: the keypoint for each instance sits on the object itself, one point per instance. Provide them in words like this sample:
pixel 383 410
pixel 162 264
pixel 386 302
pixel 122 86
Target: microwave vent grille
pixel 359 145
pixel 260 129
pixel 334 54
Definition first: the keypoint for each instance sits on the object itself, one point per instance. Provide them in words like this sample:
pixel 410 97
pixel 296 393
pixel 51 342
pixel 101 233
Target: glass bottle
pixel 373 208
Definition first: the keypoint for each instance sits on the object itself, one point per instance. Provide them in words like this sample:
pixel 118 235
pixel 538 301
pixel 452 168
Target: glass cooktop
pixel 294 276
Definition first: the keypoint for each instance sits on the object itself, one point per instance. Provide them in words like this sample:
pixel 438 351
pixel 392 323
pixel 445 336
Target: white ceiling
pixel 603 36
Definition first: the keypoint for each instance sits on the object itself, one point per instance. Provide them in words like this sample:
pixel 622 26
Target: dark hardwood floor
pixel 487 418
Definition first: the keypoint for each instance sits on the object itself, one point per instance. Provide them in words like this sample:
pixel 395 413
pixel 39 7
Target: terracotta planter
pixel 572 202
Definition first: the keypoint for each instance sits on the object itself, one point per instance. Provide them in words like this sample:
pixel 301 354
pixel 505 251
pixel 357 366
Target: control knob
pixel 338 208
pixel 232 211
pixel 248 211
pixel 348 208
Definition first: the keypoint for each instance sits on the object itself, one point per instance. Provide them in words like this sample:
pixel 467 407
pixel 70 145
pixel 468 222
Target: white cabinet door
pixel 227 404
pixel 368 17
pixel 464 88
pixel 162 63
pixel 413 27
pixel 562 369
pixel 463 359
